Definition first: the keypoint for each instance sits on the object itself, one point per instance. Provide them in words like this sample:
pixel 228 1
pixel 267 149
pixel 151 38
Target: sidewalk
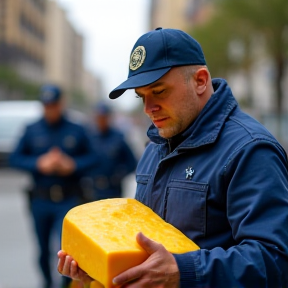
pixel 18 268
pixel 18 258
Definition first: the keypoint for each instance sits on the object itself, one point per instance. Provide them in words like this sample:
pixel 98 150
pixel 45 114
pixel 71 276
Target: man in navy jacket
pixel 117 157
pixel 55 151
pixel 210 170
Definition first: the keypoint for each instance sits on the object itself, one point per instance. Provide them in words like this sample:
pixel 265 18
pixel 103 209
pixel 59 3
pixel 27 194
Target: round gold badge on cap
pixel 137 57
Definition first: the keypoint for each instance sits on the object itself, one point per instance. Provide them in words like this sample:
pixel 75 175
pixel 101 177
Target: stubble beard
pixel 170 131
pixel 181 122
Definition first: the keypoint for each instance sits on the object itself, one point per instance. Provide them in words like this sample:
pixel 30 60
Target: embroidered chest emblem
pixel 189 173
pixel 69 141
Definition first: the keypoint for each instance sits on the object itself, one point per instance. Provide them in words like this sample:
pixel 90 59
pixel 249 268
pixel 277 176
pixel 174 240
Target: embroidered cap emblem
pixel 137 58
pixel 189 173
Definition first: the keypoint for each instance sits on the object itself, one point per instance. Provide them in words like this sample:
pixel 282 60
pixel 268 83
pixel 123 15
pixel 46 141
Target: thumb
pixel 149 245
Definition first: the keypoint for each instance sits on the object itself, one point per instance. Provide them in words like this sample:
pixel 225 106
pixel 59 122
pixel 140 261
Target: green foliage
pixel 78 98
pixel 256 26
pixel 215 44
pixel 270 18
pixel 12 82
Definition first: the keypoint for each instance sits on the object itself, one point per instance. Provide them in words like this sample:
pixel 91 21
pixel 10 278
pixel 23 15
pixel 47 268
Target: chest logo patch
pixel 189 173
pixel 69 141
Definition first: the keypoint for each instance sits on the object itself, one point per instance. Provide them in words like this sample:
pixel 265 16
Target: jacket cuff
pixel 188 265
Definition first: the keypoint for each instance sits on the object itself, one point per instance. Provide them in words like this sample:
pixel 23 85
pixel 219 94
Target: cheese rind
pixel 101 236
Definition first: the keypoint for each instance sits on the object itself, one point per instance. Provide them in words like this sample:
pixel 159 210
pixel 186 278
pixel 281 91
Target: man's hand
pixel 159 270
pixel 66 165
pixel 47 162
pixel 56 162
pixel 68 267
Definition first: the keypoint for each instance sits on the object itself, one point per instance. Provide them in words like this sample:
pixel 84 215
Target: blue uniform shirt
pixel 40 137
pixel 117 161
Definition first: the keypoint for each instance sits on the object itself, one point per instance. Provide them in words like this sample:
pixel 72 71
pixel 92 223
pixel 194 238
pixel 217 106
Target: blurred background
pixel 84 46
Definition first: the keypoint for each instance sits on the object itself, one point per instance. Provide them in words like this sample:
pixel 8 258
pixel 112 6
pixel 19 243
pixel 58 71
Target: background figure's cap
pixel 50 94
pixel 155 53
pixel 102 108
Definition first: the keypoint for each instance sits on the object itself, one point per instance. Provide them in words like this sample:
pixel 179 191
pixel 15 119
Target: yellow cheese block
pixel 101 237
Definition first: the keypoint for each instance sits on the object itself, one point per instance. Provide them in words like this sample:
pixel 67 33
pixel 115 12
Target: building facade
pixel 40 45
pixel 63 50
pixel 180 14
pixel 22 37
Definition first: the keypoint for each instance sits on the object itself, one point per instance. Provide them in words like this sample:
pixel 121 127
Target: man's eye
pixel 137 96
pixel 159 91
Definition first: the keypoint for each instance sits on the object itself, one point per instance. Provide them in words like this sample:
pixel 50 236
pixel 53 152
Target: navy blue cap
pixel 155 53
pixel 102 108
pixel 50 94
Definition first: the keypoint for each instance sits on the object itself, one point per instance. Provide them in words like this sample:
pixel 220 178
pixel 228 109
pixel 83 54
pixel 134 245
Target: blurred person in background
pixel 55 151
pixel 117 157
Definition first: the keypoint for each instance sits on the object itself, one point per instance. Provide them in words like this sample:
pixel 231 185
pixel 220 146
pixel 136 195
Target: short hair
pixel 189 70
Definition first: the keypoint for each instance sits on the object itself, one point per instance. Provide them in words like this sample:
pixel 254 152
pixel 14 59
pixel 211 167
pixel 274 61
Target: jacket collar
pixel 206 128
pixel 61 120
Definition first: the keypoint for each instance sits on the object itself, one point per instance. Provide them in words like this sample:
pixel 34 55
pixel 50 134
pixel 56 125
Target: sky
pixel 110 28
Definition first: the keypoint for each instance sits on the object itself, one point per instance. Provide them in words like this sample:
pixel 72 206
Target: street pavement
pixel 18 266
pixel 18 247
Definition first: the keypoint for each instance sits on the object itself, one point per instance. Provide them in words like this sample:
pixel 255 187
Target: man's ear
pixel 201 78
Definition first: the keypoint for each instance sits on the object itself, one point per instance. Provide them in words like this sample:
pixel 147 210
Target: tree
pixel 11 82
pixel 245 21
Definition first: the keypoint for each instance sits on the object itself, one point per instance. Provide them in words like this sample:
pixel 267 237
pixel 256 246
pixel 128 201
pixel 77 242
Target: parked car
pixel 15 116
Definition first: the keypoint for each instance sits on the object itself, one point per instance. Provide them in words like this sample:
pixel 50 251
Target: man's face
pixel 102 122
pixel 171 102
pixel 53 111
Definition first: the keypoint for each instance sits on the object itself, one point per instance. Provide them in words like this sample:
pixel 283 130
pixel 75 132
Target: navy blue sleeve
pixel 257 210
pixel 128 160
pixel 88 157
pixel 22 156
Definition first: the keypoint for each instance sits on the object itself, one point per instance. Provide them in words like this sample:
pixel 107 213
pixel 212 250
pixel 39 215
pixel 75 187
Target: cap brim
pixel 139 80
pixel 47 102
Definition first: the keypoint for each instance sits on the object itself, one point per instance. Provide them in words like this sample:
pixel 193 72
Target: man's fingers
pixel 149 245
pixel 66 266
pixel 74 270
pixel 127 276
pixel 61 255
pixel 60 265
pixel 134 273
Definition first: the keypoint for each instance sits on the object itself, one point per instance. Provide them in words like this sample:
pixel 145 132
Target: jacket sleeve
pixel 21 157
pixel 256 181
pixel 128 160
pixel 124 162
pixel 89 156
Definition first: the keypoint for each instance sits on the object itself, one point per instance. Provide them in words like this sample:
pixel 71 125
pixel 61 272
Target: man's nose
pixel 150 106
